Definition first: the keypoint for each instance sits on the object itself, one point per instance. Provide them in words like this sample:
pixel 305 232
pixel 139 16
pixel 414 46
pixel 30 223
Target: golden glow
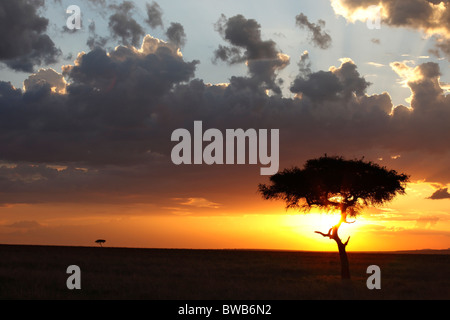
pixel 435 25
pixel 284 58
pixel 360 14
pixel 410 222
pixel 406 73
pixel 438 16
pixel 151 44
pixel 445 86
pixel 47 76
pixel 342 60
pixel 337 199
pixel 313 222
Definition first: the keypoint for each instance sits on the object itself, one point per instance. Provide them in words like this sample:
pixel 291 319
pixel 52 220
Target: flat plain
pixel 39 272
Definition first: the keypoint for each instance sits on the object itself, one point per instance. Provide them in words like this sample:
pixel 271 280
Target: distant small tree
pixel 100 241
pixel 335 184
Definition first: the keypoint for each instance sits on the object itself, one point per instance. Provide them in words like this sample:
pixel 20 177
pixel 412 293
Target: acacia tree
pixel 334 184
pixel 100 242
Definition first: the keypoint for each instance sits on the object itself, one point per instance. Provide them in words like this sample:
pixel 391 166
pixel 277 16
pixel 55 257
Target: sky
pixel 87 116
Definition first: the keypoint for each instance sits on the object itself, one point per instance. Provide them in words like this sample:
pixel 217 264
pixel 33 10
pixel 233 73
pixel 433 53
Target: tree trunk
pixel 333 234
pixel 345 268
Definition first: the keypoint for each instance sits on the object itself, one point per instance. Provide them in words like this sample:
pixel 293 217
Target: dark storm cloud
pixel 329 85
pixel 262 57
pixel 319 37
pixel 24 43
pixel 427 92
pixel 430 109
pixel 107 96
pixel 175 34
pixel 230 54
pixel 246 34
pixel 112 129
pixel 154 15
pixel 318 86
pixel 123 26
pixel 108 137
pixel 40 183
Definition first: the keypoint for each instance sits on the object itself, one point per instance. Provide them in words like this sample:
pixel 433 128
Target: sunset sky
pixel 86 118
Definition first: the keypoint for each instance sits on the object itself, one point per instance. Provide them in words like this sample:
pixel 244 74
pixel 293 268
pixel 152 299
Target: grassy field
pixel 39 272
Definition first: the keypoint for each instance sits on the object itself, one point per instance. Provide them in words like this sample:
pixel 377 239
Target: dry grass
pixel 39 272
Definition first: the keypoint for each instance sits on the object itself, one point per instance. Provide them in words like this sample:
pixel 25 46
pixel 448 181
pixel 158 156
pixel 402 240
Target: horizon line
pixel 418 251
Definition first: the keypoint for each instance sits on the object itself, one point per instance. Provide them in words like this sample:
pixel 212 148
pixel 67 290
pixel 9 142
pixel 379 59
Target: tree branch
pixel 349 222
pixel 325 234
pixel 346 242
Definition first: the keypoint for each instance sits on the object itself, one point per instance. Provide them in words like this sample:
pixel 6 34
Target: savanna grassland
pixel 39 272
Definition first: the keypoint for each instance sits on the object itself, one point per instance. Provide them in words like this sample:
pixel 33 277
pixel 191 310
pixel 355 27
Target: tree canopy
pixel 334 183
pixel 100 242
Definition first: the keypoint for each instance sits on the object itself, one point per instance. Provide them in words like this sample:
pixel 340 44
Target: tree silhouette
pixel 100 241
pixel 335 184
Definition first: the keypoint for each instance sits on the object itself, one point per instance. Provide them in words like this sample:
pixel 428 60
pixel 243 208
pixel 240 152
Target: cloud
pixel 375 64
pixel 428 16
pixel 154 15
pixel 261 56
pixel 175 34
pixel 198 202
pixel 336 83
pixel 246 34
pixel 426 222
pixel 123 26
pixel 319 37
pixel 120 91
pixel 94 39
pixel 188 206
pixel 24 225
pixel 24 41
pixel 375 40
pixel 440 194
pixel 304 65
pixel 45 77
pixel 115 120
pixel 424 83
